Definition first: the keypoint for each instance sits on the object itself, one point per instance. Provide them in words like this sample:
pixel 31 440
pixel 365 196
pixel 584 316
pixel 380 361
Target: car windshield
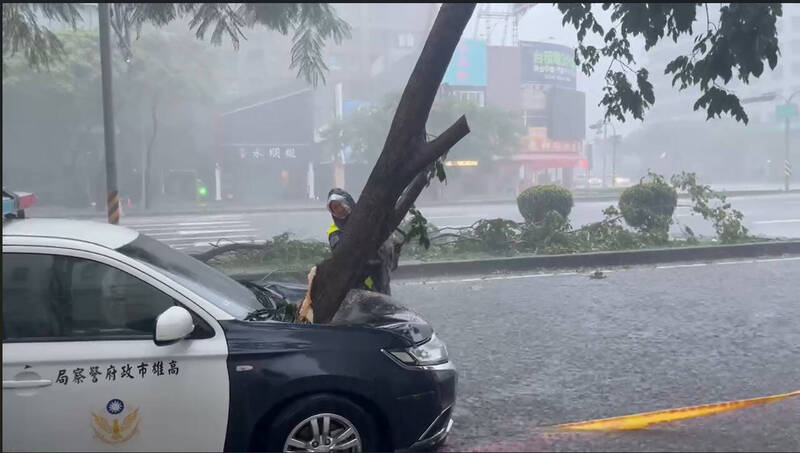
pixel 209 283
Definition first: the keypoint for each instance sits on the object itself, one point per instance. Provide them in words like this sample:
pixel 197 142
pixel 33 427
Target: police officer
pixel 374 275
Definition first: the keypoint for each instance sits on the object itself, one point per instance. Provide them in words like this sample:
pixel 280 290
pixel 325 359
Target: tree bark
pixel 405 155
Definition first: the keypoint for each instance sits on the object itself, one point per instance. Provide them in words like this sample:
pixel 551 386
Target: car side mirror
pixel 172 325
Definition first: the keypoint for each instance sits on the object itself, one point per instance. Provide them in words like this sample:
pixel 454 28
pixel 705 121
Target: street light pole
pixel 613 156
pixel 787 165
pixel 786 151
pixel 605 153
pixel 112 195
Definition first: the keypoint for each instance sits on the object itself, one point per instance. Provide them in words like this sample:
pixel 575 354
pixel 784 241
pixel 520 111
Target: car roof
pixel 103 234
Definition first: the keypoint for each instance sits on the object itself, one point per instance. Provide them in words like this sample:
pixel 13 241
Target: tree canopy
pixel 743 38
pixel 311 24
pixel 736 39
pixel 171 75
pixel 496 132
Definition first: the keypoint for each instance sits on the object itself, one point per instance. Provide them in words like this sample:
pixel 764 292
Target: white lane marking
pixel 195 232
pixel 164 218
pixel 484 279
pixel 769 260
pixel 167 226
pixel 201 244
pixel 175 229
pixel 186 240
pixel 512 277
pixel 768 222
pixel 174 220
pixel 452 217
pixel 675 266
pixel 604 271
pixel 454 226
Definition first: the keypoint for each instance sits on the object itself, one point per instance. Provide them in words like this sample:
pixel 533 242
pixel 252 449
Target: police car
pixel 114 341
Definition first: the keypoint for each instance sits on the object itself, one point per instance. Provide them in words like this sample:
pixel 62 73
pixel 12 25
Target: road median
pixel 418 270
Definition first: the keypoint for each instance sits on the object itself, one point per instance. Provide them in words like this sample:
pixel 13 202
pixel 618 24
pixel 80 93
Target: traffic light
pixel 202 190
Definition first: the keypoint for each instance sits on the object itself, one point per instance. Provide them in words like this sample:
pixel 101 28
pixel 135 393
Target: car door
pixel 81 370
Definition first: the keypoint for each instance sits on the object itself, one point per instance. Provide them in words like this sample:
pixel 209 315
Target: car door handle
pixel 27 383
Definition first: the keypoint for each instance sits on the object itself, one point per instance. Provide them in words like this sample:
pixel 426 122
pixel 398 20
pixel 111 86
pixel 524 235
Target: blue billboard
pixel 468 65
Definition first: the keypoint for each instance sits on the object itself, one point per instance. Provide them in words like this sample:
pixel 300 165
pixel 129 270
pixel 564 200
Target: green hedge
pixel 535 202
pixel 648 206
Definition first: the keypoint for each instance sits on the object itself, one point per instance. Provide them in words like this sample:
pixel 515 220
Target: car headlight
pixel 432 352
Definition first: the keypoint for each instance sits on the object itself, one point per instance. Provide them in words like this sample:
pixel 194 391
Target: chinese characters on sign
pixel 267 152
pixel 537 141
pixel 548 63
pixel 126 371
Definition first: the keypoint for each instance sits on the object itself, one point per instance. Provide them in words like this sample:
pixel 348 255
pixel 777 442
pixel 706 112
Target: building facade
pixel 378 58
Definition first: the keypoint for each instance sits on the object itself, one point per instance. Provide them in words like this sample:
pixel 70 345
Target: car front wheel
pixel 322 423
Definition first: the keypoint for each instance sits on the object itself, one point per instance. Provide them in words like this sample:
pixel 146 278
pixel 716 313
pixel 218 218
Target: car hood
pixel 367 309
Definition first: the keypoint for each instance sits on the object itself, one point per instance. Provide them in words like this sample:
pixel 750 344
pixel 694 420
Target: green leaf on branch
pixel 418 228
pixel 740 43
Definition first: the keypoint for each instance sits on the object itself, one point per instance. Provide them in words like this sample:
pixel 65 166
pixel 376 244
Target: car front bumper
pixel 421 417
pixel 433 440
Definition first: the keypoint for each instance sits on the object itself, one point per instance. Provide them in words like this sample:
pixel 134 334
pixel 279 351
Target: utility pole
pixel 614 160
pixel 791 112
pixel 112 194
pixel 605 153
pixel 613 156
pixel 787 167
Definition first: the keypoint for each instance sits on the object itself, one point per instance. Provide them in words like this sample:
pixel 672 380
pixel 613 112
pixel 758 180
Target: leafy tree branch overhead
pixel 743 38
pixel 311 25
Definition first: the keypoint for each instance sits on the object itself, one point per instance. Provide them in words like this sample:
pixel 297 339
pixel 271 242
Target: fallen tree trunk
pixel 401 171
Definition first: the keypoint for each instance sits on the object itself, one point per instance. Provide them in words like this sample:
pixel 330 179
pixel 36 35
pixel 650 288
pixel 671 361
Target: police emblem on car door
pixel 120 425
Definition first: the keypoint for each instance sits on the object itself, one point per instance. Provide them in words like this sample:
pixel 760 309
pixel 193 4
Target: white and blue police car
pixel 113 341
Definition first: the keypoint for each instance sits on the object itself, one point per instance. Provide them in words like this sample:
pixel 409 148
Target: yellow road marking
pixel 645 419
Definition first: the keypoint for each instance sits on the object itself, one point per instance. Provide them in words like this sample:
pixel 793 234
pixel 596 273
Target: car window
pixel 69 298
pixel 207 282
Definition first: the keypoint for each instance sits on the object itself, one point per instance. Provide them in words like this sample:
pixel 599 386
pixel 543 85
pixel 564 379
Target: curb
pixel 254 209
pixel 598 259
pixel 417 270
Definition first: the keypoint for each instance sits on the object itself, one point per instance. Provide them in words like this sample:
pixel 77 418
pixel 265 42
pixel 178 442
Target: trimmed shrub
pixel 648 206
pixel 535 202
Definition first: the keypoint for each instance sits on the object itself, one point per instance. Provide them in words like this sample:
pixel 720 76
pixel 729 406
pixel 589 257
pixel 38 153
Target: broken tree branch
pixel 216 251
pixel 437 147
pixel 409 196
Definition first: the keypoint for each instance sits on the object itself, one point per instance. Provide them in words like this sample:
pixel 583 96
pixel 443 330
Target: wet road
pixel 766 215
pixel 538 350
